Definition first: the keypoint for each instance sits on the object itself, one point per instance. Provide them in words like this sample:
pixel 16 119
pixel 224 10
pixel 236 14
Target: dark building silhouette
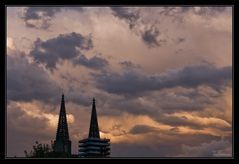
pixel 62 144
pixel 94 146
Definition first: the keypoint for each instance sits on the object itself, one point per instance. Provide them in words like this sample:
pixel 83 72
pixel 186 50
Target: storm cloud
pixel 136 83
pixel 149 30
pixel 129 65
pixel 150 37
pixel 221 148
pixel 127 14
pixel 26 81
pixel 163 147
pixel 162 89
pixel 194 123
pixel 132 16
pixel 143 129
pixel 41 17
pixel 64 46
pixel 95 62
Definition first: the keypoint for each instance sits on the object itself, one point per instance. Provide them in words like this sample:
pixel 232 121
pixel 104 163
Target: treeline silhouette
pixel 45 151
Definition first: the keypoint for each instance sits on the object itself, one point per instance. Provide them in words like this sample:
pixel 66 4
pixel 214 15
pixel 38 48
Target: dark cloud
pixel 160 145
pixel 130 16
pixel 151 37
pixel 143 129
pixel 21 131
pixel 129 65
pixel 78 97
pixel 193 76
pixel 64 46
pixel 26 81
pixel 159 107
pixel 126 83
pixel 148 30
pixel 133 106
pixel 69 78
pixel 221 148
pixel 198 123
pixel 136 83
pixel 179 121
pixel 115 130
pixel 140 150
pixel 184 101
pixel 41 17
pixel 94 63
pixel 175 130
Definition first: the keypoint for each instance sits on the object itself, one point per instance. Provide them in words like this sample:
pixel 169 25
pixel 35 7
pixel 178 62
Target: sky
pixel 161 77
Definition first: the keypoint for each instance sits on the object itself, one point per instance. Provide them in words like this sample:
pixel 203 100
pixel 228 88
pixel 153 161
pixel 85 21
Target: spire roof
pixel 62 129
pixel 94 128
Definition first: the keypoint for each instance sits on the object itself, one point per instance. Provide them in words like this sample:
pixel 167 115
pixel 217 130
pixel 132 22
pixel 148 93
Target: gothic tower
pixel 94 146
pixel 62 144
pixel 94 129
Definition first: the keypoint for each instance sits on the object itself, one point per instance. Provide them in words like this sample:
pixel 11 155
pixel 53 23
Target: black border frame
pixel 125 3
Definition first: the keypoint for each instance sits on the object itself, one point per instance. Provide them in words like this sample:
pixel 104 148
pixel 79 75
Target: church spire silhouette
pixel 62 143
pixel 94 146
pixel 94 128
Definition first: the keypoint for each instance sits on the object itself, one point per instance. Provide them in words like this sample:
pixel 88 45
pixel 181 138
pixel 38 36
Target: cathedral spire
pixel 62 129
pixel 94 146
pixel 62 142
pixel 94 128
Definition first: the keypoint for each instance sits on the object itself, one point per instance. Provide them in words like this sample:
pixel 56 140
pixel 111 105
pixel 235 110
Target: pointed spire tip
pixel 62 97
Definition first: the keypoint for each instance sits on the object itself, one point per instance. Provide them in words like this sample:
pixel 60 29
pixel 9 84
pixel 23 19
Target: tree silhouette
pixel 44 151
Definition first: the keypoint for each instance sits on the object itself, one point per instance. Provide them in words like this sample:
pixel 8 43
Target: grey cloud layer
pixel 26 82
pixel 131 16
pixel 40 17
pixel 65 46
pixel 143 129
pixel 133 82
pixel 23 130
pixel 129 65
pixel 95 62
pixel 131 91
pixel 149 30
pixel 221 148
pixel 150 37
pixel 164 147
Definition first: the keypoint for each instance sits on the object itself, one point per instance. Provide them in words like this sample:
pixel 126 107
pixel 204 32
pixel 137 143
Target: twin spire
pixel 62 129
pixel 94 128
pixel 93 146
pixel 62 144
